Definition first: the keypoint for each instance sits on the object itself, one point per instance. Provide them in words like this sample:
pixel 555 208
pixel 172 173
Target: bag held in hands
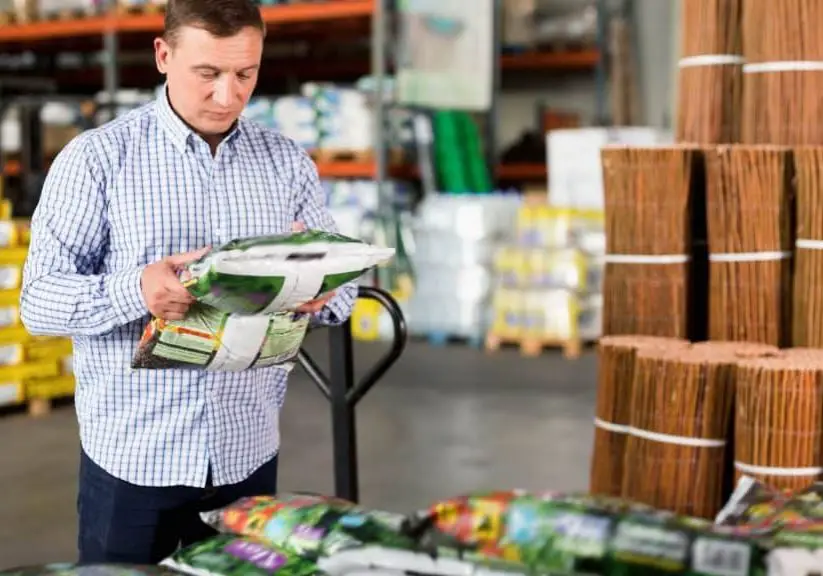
pixel 247 291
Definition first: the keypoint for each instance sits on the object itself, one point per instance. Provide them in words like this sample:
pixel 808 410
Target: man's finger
pixel 298 227
pixel 179 260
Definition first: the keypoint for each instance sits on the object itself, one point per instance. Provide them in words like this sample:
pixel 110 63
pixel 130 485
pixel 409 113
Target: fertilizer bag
pixel 229 555
pixel 246 295
pixel 271 274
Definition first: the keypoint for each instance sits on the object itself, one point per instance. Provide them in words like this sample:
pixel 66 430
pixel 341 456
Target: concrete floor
pixel 442 422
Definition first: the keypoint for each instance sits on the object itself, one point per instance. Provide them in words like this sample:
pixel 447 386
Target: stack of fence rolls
pixel 647 193
pixel 783 74
pixel 616 357
pixel 779 412
pixel 681 412
pixel 710 84
pixel 748 202
pixel 807 313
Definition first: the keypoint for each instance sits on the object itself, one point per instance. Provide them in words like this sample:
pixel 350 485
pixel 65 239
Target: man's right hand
pixel 165 295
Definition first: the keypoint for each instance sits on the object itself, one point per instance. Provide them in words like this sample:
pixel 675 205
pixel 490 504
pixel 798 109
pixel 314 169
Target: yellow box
pixel 29 370
pixel 365 320
pixel 5 209
pixel 13 256
pixel 14 335
pixel 54 387
pixel 11 393
pixel 48 349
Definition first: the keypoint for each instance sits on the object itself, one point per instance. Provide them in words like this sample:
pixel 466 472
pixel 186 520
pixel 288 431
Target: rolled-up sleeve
pixel 311 210
pixel 64 292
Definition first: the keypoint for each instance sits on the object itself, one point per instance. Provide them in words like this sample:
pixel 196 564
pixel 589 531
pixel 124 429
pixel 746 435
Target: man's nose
pixel 223 91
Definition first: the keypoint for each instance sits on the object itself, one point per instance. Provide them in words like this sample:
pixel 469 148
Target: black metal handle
pixel 356 392
pixel 401 336
pixel 343 393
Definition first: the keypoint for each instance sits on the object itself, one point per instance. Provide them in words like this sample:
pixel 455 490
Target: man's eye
pixel 208 75
pixel 244 76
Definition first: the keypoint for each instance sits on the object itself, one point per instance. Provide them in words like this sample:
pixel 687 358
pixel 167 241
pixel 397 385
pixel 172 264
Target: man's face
pixel 210 79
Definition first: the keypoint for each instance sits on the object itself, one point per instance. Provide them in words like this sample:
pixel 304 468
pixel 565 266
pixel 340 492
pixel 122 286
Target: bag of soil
pixel 229 555
pixel 88 570
pixel 246 292
pixel 579 534
pixel 342 538
pixel 208 339
pixel 270 274
pixel 309 525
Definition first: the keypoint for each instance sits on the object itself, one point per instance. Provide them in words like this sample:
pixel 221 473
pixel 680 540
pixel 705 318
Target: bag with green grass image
pixel 270 274
pixel 247 292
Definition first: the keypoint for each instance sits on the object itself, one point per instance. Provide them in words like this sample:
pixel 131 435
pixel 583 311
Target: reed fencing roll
pixel 783 74
pixel 615 373
pixel 710 75
pixel 807 308
pixel 779 409
pixel 681 413
pixel 750 239
pixel 648 194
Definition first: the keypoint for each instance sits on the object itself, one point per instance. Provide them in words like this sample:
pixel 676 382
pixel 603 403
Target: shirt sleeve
pixel 64 292
pixel 312 212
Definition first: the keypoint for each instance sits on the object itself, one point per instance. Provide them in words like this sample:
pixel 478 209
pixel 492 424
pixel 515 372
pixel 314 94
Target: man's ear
pixel 162 52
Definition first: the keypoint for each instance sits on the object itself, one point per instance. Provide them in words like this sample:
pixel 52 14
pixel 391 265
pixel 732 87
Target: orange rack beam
pixel 566 59
pixel 97 25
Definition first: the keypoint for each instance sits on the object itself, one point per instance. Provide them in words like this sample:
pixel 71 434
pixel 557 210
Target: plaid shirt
pixel 125 195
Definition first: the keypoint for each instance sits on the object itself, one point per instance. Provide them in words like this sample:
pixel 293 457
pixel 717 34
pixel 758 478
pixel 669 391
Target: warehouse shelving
pixel 351 17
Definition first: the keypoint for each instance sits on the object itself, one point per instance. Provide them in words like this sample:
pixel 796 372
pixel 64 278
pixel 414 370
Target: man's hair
pixel 221 18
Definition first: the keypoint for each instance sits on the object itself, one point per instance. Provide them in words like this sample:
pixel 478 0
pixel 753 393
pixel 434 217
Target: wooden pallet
pixel 531 347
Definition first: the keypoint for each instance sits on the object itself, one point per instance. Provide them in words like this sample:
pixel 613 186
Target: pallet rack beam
pixel 153 23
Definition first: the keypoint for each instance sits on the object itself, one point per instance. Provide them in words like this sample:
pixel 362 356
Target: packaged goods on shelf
pixel 455 240
pixel 48 9
pixel 576 176
pixel 548 278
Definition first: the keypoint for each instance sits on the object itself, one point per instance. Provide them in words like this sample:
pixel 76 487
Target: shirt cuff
pixel 126 295
pixel 335 312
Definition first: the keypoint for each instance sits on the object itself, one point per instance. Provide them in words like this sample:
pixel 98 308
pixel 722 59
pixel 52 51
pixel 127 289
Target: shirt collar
pixel 179 131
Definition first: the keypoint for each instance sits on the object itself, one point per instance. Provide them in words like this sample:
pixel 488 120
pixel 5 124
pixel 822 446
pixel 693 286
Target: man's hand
pixel 314 306
pixel 165 295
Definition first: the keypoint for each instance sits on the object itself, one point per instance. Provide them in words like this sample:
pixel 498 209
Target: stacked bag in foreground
pixel 760 532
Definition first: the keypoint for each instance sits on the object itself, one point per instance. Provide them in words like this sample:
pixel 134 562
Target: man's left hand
pixel 314 306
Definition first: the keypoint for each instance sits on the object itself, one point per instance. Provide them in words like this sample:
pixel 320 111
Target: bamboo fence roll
pixel 681 413
pixel 779 408
pixel 783 74
pixel 710 84
pixel 648 193
pixel 807 309
pixel 615 372
pixel 750 231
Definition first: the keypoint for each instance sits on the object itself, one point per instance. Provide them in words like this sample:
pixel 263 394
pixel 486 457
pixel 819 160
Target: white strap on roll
pixel 711 60
pixel 611 427
pixel 783 66
pixel 748 256
pixel 645 258
pixel 776 470
pixel 678 440
pixel 809 244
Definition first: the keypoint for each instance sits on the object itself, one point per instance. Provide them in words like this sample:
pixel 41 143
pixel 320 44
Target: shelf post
pixel 111 72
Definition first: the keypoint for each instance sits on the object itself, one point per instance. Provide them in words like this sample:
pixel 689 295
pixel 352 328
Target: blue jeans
pixel 124 523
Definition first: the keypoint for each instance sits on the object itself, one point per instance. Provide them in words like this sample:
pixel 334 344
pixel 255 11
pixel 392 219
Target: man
pixel 123 208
